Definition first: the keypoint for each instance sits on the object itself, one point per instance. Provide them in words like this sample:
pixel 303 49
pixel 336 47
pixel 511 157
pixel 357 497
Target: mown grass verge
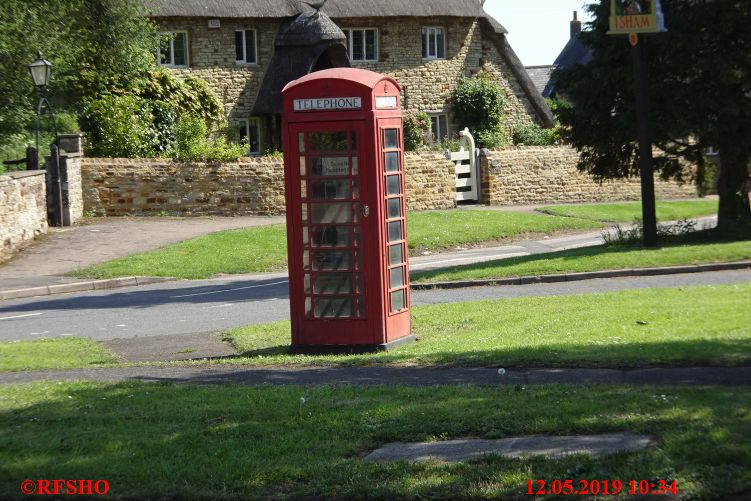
pixel 57 353
pixel 264 248
pixel 687 326
pixel 610 257
pixel 630 211
pixel 222 442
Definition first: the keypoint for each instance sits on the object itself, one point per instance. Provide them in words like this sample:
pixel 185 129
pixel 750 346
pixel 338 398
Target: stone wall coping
pixel 21 174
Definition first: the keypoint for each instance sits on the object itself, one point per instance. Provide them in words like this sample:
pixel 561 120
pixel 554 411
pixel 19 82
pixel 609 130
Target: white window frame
pixel 348 33
pixel 439 135
pixel 427 33
pixel 246 123
pixel 244 60
pixel 172 35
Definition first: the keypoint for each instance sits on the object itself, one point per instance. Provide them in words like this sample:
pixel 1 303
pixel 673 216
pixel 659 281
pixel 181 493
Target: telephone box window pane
pixel 329 190
pixel 303 190
pixel 358 259
pixel 396 254
pixel 308 307
pixel 395 231
pixel 397 278
pixel 395 208
pixel 354 141
pixel 301 142
pixel 393 186
pixel 355 166
pixel 335 307
pixel 305 213
pixel 355 189
pixel 332 260
pixel 332 236
pixel 302 166
pixel 329 213
pixel 357 236
pixel 329 166
pixel 359 283
pixel 327 141
pixel 333 284
pixel 392 161
pixel 305 235
pixel 306 259
pixel 391 138
pixel 307 285
pixel 398 301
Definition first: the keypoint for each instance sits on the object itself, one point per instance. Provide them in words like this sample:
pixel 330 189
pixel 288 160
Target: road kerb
pixel 91 285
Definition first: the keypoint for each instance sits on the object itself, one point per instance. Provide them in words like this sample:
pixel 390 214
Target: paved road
pixel 213 305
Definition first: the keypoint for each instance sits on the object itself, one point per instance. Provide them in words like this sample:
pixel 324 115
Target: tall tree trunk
pixel 733 185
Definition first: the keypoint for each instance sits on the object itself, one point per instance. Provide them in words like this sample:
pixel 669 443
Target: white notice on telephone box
pixel 335 166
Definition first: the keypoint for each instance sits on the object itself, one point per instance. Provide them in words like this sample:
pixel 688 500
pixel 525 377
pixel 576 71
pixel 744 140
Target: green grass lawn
pixel 162 441
pixel 264 248
pixel 57 353
pixel 686 326
pixel 630 211
pixel 611 257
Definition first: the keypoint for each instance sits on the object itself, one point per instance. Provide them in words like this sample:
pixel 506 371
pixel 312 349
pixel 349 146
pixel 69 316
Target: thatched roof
pixel 333 8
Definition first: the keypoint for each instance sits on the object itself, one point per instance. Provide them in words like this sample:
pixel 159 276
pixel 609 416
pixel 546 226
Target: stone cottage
pixel 248 49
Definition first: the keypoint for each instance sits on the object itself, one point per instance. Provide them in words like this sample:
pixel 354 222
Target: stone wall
pixel 23 209
pixel 255 185
pixel 530 175
pixel 427 84
pixel 75 194
pixel 430 181
pixel 121 186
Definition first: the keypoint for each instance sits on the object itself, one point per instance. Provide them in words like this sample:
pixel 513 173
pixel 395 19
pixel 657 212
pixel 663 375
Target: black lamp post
pixel 40 71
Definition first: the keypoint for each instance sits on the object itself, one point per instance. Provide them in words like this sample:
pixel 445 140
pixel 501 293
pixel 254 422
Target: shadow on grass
pixel 230 442
pixel 427 352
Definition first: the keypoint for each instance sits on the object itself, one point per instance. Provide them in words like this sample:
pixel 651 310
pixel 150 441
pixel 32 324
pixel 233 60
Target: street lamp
pixel 40 71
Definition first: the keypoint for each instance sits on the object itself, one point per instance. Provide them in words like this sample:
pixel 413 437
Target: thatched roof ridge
pixel 333 8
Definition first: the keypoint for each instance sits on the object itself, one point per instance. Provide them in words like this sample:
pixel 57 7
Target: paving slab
pixel 454 451
pixel 170 348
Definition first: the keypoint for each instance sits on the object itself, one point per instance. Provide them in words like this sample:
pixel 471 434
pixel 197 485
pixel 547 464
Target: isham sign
pixel 635 16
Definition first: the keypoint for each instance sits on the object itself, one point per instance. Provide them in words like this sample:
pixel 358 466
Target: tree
pixel 700 91
pixel 96 46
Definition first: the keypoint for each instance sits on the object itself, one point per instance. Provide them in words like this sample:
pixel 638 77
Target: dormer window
pixel 246 51
pixel 433 43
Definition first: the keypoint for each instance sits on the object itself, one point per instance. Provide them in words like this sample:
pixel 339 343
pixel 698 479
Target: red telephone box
pixel 346 220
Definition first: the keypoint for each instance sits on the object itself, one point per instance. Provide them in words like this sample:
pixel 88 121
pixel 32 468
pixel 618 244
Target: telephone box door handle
pixel 365 211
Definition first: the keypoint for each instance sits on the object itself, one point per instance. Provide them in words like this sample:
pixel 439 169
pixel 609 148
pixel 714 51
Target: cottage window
pixel 433 43
pixel 172 49
pixel 362 44
pixel 439 127
pixel 250 133
pixel 245 47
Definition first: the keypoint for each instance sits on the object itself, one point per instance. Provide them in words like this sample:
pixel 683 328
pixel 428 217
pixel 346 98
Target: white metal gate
pixel 467 178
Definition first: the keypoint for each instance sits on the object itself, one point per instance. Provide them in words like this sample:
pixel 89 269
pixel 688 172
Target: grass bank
pixel 57 353
pixel 611 257
pixel 264 248
pixel 686 326
pixel 225 442
pixel 630 211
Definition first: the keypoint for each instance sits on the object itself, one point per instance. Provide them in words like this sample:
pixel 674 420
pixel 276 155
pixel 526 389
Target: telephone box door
pixel 333 212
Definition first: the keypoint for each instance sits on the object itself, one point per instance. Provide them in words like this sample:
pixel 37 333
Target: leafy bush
pixel 19 132
pixel 478 104
pixel 492 139
pixel 192 144
pixel 416 126
pixel 188 95
pixel 534 135
pixel 128 126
